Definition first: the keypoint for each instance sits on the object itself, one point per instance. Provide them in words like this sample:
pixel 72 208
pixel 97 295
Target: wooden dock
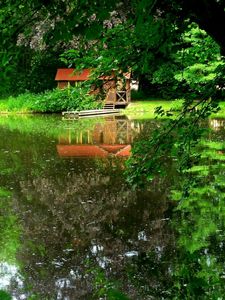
pixel 89 113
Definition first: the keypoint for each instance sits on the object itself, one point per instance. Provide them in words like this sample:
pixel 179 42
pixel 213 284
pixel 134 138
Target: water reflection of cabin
pixel 110 138
pixel 117 90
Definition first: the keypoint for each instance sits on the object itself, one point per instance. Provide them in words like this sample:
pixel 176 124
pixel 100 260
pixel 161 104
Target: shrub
pixel 72 98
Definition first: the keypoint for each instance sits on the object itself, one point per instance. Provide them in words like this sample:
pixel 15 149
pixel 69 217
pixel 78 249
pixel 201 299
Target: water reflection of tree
pixel 84 212
pixel 76 210
pixel 200 219
pixel 203 222
pixel 196 270
pixel 74 213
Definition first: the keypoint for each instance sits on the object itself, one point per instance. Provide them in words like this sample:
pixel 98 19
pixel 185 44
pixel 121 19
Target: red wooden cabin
pixel 117 91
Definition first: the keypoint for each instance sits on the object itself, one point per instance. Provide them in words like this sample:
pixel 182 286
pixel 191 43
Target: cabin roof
pixel 69 75
pixel 111 148
pixel 126 151
pixel 126 75
pixel 81 151
pixel 93 150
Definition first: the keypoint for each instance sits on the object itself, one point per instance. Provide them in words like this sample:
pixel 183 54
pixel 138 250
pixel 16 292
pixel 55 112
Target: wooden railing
pixel 121 97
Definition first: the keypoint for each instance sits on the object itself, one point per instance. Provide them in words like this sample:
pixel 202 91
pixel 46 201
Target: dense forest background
pixel 174 49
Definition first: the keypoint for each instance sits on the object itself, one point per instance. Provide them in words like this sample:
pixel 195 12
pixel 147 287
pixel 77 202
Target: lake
pixel 71 227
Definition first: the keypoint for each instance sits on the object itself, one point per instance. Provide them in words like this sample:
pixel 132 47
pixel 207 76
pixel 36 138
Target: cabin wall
pixel 112 89
pixel 109 87
pixel 111 96
pixel 118 92
pixel 62 84
pixel 128 90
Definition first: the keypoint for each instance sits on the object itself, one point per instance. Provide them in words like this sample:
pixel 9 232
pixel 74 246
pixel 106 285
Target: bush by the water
pixel 57 100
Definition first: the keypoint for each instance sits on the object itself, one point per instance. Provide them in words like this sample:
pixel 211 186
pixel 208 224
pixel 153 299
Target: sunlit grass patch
pixel 146 109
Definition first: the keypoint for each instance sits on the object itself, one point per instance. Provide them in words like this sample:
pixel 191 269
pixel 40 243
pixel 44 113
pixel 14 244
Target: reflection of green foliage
pixel 4 193
pixel 105 288
pixel 9 229
pixel 196 271
pixel 37 297
pixel 53 198
pixel 198 189
pixel 4 295
pixel 176 138
pixel 200 222
pixel 197 277
pixel 50 126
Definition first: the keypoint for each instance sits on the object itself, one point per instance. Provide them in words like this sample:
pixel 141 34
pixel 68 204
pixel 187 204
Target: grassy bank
pixel 78 99
pixel 146 109
pixel 59 100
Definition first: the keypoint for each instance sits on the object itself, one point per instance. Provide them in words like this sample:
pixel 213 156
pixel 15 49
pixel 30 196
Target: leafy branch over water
pixel 174 141
pixel 197 187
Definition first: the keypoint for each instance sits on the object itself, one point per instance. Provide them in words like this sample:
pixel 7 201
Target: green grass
pixel 146 109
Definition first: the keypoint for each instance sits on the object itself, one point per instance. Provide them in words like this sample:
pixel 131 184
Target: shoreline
pixel 146 109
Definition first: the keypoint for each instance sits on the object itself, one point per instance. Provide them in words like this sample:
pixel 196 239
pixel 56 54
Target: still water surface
pixel 71 227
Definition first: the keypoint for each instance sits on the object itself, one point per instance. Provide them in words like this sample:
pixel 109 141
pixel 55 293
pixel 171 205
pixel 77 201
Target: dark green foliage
pixel 156 39
pixel 29 71
pixel 39 73
pixel 190 66
pixel 171 64
pixel 175 140
pixel 138 95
